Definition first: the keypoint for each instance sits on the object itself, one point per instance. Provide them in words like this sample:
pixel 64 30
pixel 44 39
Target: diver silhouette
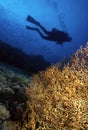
pixel 55 35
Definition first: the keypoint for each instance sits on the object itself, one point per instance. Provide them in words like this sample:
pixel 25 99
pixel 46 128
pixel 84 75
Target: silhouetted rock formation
pixel 17 58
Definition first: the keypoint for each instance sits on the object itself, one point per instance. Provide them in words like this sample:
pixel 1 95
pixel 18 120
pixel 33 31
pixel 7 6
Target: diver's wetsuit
pixel 54 35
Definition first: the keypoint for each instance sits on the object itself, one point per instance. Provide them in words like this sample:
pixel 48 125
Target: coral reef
pixel 55 99
pixel 13 83
pixel 58 98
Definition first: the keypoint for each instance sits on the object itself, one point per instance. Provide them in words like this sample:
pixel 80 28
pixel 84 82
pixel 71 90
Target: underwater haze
pixel 69 16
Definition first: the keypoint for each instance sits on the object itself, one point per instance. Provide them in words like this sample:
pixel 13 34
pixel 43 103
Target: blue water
pixel 70 16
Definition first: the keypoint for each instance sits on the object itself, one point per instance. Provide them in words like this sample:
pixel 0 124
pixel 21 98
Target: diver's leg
pixel 31 28
pixel 41 34
pixel 44 30
pixel 32 20
pixel 36 29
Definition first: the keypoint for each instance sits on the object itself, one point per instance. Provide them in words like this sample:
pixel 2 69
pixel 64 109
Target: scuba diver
pixel 54 35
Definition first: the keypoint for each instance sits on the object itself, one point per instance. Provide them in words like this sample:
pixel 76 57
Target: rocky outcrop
pixel 12 98
pixel 16 57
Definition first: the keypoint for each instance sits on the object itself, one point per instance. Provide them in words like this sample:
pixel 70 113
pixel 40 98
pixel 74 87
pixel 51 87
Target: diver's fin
pixel 32 20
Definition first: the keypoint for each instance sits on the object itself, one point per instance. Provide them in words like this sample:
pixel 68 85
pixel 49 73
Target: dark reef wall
pixel 17 58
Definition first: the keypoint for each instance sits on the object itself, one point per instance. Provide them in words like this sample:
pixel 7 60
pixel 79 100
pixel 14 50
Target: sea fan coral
pixel 58 98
